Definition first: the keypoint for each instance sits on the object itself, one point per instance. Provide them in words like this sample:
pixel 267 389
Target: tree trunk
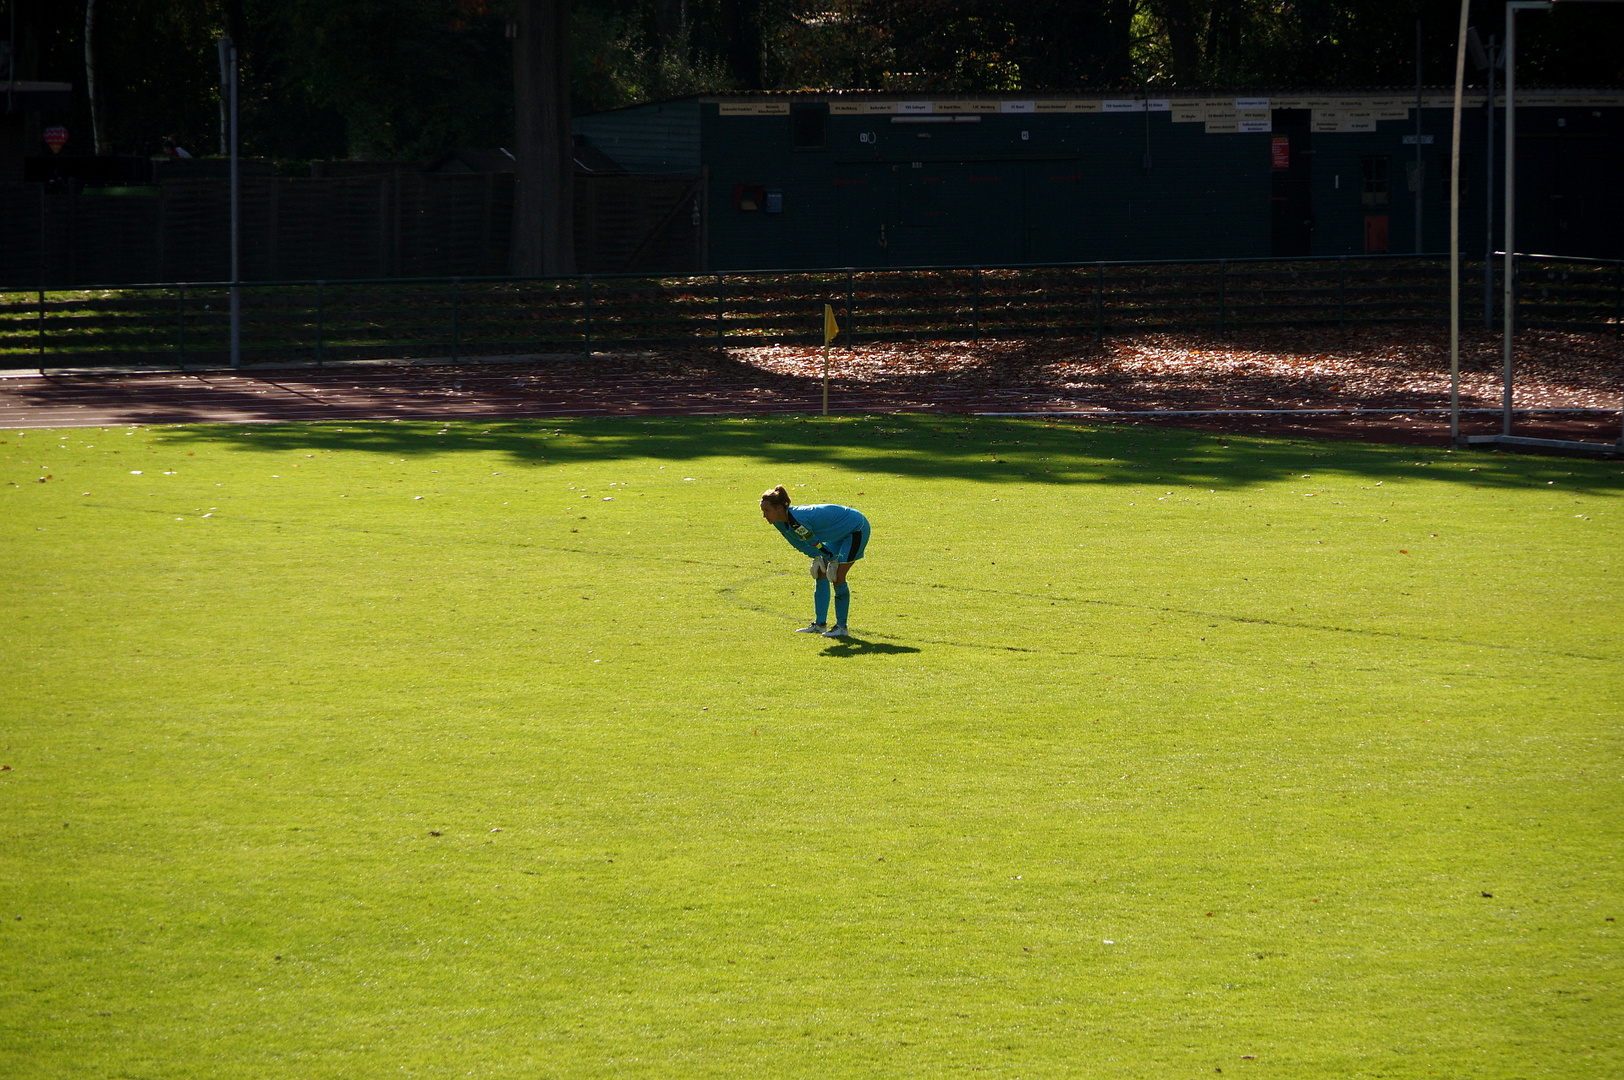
pixel 1179 20
pixel 544 180
pixel 741 23
pixel 99 141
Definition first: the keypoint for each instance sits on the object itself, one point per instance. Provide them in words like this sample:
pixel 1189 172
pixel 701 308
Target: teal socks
pixel 842 602
pixel 820 599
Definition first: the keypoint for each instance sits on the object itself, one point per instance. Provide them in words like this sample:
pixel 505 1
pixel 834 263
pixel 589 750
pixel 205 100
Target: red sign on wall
pixel 1280 153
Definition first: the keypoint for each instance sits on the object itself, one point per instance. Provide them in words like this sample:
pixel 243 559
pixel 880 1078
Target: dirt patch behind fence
pixel 1571 383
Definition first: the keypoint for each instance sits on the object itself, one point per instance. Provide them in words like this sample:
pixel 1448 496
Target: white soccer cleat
pixel 815 628
pixel 834 631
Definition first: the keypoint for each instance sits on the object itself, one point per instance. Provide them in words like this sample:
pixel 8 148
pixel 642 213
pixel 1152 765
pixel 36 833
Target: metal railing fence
pixel 454 319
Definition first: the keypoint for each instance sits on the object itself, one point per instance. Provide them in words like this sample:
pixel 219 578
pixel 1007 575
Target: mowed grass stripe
pixel 1171 759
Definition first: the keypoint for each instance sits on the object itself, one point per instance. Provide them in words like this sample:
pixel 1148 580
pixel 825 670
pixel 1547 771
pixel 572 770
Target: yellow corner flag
pixel 831 328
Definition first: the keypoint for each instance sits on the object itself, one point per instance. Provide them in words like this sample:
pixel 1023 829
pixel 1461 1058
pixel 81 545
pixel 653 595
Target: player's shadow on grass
pixel 856 646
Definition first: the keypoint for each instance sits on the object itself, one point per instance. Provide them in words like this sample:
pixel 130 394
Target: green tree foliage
pixel 642 52
pixel 953 45
pixel 157 68
pixel 1298 43
pixel 409 78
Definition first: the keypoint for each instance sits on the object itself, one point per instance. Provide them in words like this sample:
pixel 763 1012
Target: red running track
pixel 633 386
pixel 102 400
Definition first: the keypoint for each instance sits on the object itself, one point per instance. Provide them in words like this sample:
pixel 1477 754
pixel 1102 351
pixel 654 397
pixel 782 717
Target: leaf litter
pixel 1399 367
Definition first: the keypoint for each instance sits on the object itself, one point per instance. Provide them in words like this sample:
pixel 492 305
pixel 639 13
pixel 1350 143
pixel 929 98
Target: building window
pixel 811 124
pixel 1374 192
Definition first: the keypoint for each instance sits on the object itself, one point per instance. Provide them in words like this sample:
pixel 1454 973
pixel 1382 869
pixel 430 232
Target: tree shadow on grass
pixel 984 450
pixel 856 646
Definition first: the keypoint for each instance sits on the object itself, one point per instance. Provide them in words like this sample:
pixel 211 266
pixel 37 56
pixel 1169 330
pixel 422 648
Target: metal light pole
pixel 1454 230
pixel 1496 58
pixel 1509 267
pixel 228 76
pixel 1420 181
pixel 1487 58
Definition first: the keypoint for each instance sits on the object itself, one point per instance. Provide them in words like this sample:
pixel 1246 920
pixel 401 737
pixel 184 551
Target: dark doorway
pixel 865 199
pixel 1292 220
pixel 1376 229
pixel 1291 165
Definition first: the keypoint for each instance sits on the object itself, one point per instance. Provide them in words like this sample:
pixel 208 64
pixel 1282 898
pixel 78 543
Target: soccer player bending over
pixel 834 537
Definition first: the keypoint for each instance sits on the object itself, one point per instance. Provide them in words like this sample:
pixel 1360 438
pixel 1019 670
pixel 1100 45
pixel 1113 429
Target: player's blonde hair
pixel 776 497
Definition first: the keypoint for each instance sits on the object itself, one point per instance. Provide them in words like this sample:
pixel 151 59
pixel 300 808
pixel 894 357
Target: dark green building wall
pixel 1570 176
pixel 660 138
pixel 1004 189
pixel 995 189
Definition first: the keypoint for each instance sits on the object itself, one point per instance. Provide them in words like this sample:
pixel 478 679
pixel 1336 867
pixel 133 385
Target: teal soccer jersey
pixel 841 531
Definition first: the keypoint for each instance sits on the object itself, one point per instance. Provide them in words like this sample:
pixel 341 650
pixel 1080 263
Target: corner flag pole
pixel 831 330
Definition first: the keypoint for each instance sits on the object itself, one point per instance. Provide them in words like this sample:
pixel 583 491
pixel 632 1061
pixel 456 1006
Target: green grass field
pixel 401 749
